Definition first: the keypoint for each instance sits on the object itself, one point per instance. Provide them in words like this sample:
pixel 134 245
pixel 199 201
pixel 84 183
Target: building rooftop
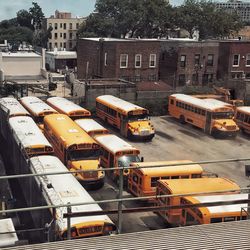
pixel 20 54
pixel 61 54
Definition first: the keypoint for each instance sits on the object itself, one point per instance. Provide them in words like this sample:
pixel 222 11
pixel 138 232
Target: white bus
pixel 64 189
pixel 37 108
pixel 92 127
pixel 31 138
pixel 13 106
pixel 64 106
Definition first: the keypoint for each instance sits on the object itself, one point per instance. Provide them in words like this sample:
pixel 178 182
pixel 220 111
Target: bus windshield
pixel 125 160
pixel 138 117
pixel 77 155
pixel 222 115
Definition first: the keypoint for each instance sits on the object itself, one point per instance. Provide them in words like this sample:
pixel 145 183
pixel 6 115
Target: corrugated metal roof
pixel 229 235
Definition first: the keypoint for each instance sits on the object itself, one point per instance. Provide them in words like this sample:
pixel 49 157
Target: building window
pixel 197 59
pixel 207 78
pixel 70 45
pixel 152 77
pixel 195 78
pixel 210 60
pixel 123 60
pixel 60 45
pixel 55 25
pixel 50 46
pixel 152 60
pixel 64 36
pixel 183 61
pixel 236 60
pixel 65 26
pixel 70 35
pixel 64 45
pixel 61 25
pixel 55 45
pixel 182 80
pixel 70 26
pixel 138 60
pixel 105 59
pixel 77 26
pixel 61 35
pixel 137 78
pixel 248 60
pixel 55 35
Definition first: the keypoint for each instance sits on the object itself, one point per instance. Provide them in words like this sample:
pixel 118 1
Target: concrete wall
pixel 21 66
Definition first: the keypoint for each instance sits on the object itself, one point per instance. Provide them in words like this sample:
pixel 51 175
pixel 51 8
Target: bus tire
pixel 182 119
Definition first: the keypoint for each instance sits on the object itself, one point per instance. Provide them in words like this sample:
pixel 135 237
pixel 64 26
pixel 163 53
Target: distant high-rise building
pixel 241 8
pixel 63 35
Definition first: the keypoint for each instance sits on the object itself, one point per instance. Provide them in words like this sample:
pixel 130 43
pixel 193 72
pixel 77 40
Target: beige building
pixel 64 30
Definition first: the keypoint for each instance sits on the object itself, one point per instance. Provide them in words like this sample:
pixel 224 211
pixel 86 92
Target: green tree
pixel 115 18
pixel 24 18
pixel 204 17
pixel 15 35
pixel 37 15
pixel 40 37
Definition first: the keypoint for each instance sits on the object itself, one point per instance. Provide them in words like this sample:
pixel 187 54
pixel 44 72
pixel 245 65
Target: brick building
pixel 134 60
pixel 188 62
pixel 234 60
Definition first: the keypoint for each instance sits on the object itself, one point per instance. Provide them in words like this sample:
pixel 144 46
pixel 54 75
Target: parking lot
pixel 174 141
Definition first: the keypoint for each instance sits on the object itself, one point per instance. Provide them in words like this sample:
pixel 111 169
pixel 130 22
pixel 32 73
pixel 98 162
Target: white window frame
pixel 138 56
pixel 234 65
pixel 105 59
pixel 122 56
pixel 152 56
pixel 247 56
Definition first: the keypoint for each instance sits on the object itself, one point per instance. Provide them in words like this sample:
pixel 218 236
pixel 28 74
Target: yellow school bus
pixel 186 186
pixel 132 120
pixel 64 106
pixel 37 108
pixel 212 116
pixel 242 118
pixel 142 180
pixel 75 148
pixel 92 127
pixel 116 153
pixel 213 214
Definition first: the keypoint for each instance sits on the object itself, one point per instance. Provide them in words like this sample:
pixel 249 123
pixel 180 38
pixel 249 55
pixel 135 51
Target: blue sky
pixel 9 8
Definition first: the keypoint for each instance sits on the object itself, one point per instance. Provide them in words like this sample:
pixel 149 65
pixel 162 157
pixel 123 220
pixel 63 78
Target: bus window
pixel 175 177
pixel 215 220
pixel 154 181
pixel 231 218
pixel 184 176
pixel 190 220
pixel 125 160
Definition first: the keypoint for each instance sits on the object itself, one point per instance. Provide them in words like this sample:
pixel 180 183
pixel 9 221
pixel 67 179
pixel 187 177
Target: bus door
pixel 208 122
pixel 123 125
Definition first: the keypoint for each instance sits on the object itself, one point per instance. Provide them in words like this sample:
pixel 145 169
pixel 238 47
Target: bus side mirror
pixel 142 159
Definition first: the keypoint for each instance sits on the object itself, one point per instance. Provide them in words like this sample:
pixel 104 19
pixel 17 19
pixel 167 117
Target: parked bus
pixel 13 107
pixel 63 189
pixel 116 153
pixel 212 116
pixel 29 136
pixel 132 120
pixel 75 148
pixel 142 180
pixel 37 108
pixel 213 214
pixel 186 186
pixel 92 127
pixel 242 118
pixel 64 106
